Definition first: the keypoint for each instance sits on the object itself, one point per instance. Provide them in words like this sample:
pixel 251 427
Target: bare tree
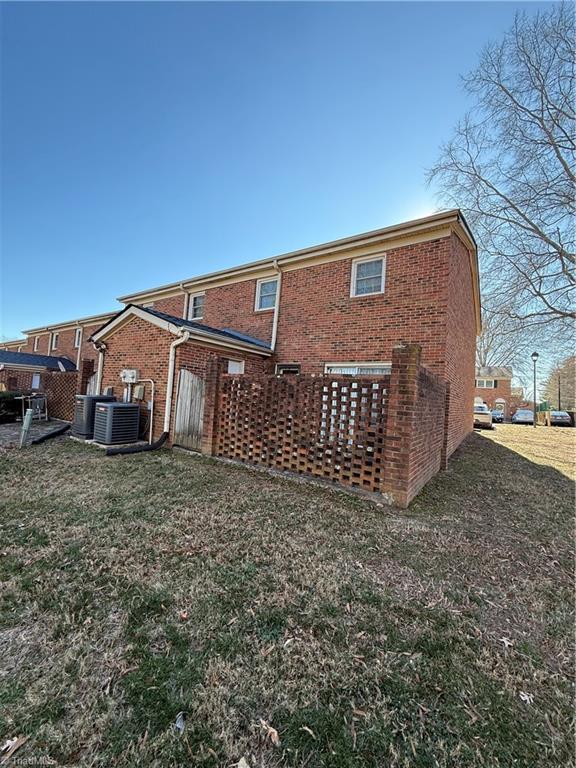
pixel 560 387
pixel 510 167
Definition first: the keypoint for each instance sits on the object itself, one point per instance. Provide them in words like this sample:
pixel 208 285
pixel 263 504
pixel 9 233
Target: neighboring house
pixel 22 371
pixel 339 308
pixel 68 339
pixel 15 345
pixel 493 387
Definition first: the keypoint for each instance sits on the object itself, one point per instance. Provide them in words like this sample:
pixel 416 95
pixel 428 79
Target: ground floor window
pixel 236 366
pixel 35 381
pixel 287 368
pixel 359 369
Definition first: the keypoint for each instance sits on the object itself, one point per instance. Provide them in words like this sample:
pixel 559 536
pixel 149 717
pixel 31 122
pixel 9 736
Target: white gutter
pixel 276 306
pixel 183 338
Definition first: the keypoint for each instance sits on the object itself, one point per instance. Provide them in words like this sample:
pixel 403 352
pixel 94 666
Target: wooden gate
pixel 189 411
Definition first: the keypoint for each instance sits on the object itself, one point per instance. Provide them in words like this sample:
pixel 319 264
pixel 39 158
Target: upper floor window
pixel 196 307
pixel 55 338
pixel 368 276
pixel 77 337
pixel 266 294
pixel 359 369
pixel 485 383
pixel 36 343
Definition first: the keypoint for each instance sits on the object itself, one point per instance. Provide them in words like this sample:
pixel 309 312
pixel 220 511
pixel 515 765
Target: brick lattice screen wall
pixel 327 427
pixel 384 435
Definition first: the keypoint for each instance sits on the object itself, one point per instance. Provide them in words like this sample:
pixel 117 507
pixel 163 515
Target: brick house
pixel 338 309
pixel 494 388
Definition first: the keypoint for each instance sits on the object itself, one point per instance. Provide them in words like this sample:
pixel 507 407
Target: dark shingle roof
pixel 227 333
pixel 494 372
pixel 8 357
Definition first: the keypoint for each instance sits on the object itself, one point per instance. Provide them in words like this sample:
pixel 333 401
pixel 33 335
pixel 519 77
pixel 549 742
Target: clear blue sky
pixel 144 143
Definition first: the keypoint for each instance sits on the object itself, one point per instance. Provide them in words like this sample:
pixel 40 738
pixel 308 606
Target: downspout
pixel 186 301
pixel 277 307
pixel 101 348
pixel 79 347
pixel 182 339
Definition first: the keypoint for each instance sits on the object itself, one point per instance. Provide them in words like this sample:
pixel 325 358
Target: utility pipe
pixel 101 347
pixel 277 306
pixel 153 387
pixel 182 339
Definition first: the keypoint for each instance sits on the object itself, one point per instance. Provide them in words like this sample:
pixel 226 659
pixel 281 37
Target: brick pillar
pixel 399 422
pixel 85 371
pixel 214 369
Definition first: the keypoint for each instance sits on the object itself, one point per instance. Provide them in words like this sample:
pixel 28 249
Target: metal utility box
pixel 84 405
pixel 116 423
pixel 129 375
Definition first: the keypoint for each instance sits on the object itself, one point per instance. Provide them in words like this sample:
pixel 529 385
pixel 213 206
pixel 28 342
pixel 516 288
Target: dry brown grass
pixel 137 587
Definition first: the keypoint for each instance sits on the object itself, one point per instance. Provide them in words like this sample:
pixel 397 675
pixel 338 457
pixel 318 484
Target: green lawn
pixel 295 626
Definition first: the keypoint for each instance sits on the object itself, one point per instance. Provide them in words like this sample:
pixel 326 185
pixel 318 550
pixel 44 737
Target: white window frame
pixel 36 343
pixel 54 339
pixel 77 338
pixel 239 363
pixel 485 384
pixel 279 370
pixel 259 283
pixel 35 378
pixel 373 257
pixel 355 366
pixel 191 298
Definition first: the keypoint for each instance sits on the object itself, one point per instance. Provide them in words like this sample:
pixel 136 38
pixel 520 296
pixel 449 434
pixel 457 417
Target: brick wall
pixel 460 346
pixel 173 305
pixel 382 435
pixel 502 391
pixel 142 345
pixel 65 348
pixel 16 380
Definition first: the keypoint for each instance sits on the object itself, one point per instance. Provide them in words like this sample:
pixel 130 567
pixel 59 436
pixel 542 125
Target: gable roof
pixel 494 372
pixel 28 360
pixel 176 325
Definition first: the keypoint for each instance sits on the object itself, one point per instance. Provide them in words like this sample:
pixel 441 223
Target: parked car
pixel 560 419
pixel 483 417
pixel 523 416
pixel 498 416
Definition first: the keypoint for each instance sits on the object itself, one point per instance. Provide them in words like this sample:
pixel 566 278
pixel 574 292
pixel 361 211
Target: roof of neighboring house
pixel 28 360
pixel 428 227
pixel 494 372
pixel 90 320
pixel 198 331
pixel 12 343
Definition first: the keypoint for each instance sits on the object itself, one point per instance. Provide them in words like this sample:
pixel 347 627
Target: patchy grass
pixel 137 587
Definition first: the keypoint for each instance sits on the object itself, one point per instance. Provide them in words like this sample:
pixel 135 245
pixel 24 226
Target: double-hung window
pixel 196 307
pixel 485 383
pixel 77 337
pixel 54 344
pixel 36 343
pixel 266 294
pixel 368 276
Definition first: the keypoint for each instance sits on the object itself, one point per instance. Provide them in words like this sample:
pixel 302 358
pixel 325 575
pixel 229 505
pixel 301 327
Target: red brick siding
pixel 502 391
pixel 319 322
pixel 16 379
pixel 173 305
pixel 140 344
pixel 460 346
pixel 66 346
pixel 232 306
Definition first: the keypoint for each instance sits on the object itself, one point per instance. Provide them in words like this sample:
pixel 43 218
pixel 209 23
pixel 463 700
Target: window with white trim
pixel 485 383
pixel 287 368
pixel 236 366
pixel 266 294
pixel 36 343
pixel 77 337
pixel 196 306
pixel 35 381
pixel 368 276
pixel 54 341
pixel 359 369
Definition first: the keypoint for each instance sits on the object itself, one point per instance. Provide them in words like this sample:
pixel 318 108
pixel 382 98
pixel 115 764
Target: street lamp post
pixel 535 357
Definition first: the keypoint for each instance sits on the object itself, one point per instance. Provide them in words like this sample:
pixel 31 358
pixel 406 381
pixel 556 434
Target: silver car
pixel 560 419
pixel 483 417
pixel 523 416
